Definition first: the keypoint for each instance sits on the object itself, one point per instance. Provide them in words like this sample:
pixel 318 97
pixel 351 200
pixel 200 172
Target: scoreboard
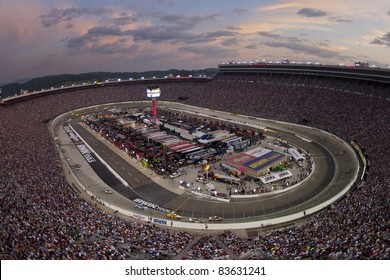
pixel 153 92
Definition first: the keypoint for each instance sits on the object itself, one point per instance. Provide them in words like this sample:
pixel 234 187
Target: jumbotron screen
pixel 153 91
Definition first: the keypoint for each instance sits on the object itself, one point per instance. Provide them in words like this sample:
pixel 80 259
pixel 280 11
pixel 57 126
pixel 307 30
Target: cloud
pixel 383 40
pixel 124 19
pixel 164 33
pixel 184 22
pixel 119 46
pixel 159 34
pixel 388 13
pixel 221 33
pixel 295 39
pixel 209 51
pixel 339 19
pixel 230 42
pixel 105 31
pixel 234 28
pixel 309 12
pixel 269 34
pixel 273 8
pixel 65 15
pixel 93 35
pixel 154 34
pixel 306 49
pixel 251 47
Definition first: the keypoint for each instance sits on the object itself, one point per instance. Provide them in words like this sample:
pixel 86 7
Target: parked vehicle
pixel 201 180
pixel 222 195
pixel 174 175
pixel 210 187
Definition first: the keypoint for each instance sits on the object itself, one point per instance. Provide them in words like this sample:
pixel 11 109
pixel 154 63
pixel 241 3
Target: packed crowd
pixel 207 248
pixel 42 218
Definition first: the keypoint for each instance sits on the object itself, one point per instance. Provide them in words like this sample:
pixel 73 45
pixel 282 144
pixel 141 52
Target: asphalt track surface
pixel 140 186
pixel 330 176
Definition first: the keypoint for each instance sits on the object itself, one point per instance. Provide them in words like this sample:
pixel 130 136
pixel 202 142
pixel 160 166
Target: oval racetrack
pixel 332 173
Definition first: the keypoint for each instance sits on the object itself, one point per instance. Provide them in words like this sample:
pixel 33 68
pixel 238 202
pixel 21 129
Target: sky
pixel 46 37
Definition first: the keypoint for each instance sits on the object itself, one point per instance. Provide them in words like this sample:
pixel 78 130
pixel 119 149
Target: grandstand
pixel 43 217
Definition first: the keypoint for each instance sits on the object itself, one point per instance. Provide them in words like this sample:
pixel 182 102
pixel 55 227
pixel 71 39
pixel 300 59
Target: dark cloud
pixel 252 47
pixel 295 39
pixel 159 34
pixel 383 40
pixel 93 35
pixel 221 33
pixel 184 22
pixel 306 49
pixel 154 34
pixel 234 28
pixel 119 46
pixel 339 19
pixel 91 41
pixel 99 31
pixel 209 36
pixel 124 19
pixel 63 15
pixel 164 33
pixel 309 12
pixel 323 44
pixel 209 51
pixel 77 43
pixel 230 42
pixel 268 34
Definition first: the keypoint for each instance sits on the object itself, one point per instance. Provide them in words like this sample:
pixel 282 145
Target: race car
pixel 140 206
pixel 173 216
pixel 215 219
pixel 195 220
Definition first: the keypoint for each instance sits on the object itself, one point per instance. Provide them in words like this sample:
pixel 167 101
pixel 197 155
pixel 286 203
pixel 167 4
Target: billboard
pixel 276 176
pixel 240 159
pixel 153 92
pixel 265 160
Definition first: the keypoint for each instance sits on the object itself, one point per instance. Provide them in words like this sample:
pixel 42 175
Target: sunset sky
pixel 45 37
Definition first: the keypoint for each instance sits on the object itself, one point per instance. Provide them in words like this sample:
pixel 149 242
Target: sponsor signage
pixel 264 161
pixel 241 159
pixel 153 92
pixel 71 134
pixel 152 205
pixel 86 153
pixel 159 221
pixel 276 176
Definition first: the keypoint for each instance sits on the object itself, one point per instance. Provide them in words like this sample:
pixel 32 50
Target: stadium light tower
pixel 153 92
